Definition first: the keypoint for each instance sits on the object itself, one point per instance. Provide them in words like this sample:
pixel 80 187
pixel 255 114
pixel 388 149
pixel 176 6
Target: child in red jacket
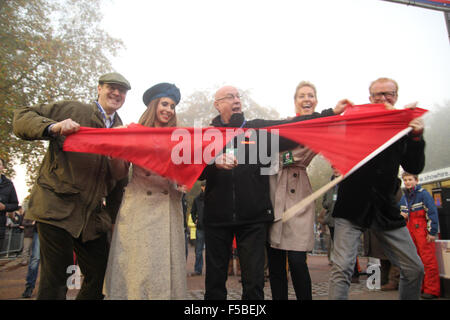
pixel 418 208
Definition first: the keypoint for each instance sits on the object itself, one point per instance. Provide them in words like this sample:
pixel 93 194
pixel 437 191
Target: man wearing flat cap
pixel 66 200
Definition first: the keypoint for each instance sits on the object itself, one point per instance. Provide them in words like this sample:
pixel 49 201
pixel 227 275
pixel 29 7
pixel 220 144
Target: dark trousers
pixel 250 241
pixel 199 245
pixel 57 247
pixel 298 268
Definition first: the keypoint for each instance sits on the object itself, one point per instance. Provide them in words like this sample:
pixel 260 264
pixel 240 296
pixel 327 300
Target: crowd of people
pixel 126 226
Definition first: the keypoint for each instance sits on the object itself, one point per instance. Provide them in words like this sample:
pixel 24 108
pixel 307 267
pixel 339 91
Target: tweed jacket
pixel 70 187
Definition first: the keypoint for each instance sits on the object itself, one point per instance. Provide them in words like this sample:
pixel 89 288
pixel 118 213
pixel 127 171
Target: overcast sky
pixel 268 47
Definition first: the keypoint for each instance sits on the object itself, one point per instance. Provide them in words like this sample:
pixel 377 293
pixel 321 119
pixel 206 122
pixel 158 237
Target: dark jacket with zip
pixel 369 194
pixel 241 195
pixel 8 197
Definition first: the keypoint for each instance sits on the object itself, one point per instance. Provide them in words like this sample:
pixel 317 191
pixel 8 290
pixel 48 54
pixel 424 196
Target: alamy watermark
pixel 373 281
pixel 248 146
pixel 74 280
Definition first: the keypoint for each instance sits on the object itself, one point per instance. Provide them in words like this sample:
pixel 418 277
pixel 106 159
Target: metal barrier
pixel 321 243
pixel 12 243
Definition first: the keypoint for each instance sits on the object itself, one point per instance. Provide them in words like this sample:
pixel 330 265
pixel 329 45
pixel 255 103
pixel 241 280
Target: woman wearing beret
pixel 147 256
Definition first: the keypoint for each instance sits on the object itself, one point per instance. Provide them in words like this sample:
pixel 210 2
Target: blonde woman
pixel 294 238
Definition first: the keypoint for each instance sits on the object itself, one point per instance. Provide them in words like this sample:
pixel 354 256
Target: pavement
pixel 12 283
pixel 319 269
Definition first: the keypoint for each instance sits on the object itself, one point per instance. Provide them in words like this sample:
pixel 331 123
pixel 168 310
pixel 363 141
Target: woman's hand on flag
pixel 341 105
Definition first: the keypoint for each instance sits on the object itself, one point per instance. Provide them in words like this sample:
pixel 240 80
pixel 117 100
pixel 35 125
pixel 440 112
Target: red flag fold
pixel 352 138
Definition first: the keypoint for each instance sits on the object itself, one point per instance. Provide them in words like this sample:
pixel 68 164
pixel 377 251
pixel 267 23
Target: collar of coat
pixel 4 180
pixel 236 121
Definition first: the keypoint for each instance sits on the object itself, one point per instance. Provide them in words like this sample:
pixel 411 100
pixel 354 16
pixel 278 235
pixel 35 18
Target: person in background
pixel 8 200
pixel 328 201
pixel 67 199
pixel 147 258
pixel 420 212
pixel 30 232
pixel 197 213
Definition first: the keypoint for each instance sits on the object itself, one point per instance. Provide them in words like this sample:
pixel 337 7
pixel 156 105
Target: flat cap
pixel 114 77
pixel 162 90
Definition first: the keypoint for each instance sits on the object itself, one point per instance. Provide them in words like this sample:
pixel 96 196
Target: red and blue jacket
pixel 417 203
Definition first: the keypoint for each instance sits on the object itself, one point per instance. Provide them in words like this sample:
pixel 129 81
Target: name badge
pixel 287 158
pixel 231 151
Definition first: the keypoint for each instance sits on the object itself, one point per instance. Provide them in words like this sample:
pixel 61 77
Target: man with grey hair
pixel 367 199
pixel 237 198
pixel 67 199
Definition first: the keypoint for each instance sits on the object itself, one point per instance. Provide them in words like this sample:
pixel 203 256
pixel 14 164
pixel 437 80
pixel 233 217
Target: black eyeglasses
pixel 114 86
pixel 387 94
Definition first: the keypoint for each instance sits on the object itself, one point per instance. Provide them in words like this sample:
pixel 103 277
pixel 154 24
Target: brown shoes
pixel 389 287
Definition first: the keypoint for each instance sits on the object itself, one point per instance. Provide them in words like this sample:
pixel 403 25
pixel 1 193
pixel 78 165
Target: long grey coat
pixel 287 188
pixel 147 259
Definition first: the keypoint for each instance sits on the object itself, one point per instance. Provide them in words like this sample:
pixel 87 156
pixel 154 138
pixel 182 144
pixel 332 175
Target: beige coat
pixel 288 187
pixel 147 259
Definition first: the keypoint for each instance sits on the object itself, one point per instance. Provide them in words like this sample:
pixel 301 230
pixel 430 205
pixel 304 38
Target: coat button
pixel 292 190
pixel 149 193
pixel 295 175
pixel 165 192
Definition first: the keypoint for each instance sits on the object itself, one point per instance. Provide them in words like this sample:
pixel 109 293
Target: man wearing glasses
pixel 367 200
pixel 384 90
pixel 66 201
pixel 237 199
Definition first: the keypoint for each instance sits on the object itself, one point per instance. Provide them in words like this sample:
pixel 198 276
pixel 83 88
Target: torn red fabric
pixel 181 154
pixel 352 138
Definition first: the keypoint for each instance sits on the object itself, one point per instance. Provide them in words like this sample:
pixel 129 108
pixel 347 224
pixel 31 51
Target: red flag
pixel 355 137
pixel 175 153
pixel 181 154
